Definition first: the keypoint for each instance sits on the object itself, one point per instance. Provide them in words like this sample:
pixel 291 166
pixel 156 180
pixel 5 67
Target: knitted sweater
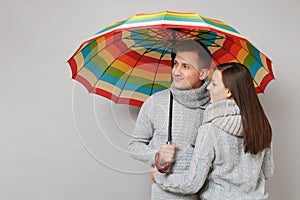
pixel 152 125
pixel 219 162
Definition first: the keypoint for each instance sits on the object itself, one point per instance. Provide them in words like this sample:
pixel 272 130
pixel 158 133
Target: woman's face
pixel 217 89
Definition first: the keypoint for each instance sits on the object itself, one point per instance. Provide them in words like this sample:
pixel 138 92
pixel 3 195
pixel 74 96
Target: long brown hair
pixel 257 131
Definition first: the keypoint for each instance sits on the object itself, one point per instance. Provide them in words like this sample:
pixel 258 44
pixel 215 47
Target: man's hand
pixel 167 153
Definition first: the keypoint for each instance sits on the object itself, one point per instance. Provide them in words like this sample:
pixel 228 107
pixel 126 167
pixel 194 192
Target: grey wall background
pixel 60 143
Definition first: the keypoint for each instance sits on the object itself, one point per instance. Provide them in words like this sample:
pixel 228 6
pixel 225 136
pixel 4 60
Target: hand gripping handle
pixel 157 164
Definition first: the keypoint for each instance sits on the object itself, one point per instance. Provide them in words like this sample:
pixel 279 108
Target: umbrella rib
pixel 108 66
pixel 164 52
pixel 238 59
pixel 159 34
pixel 186 33
pixel 132 71
pixel 164 47
pixel 155 40
pixel 249 53
pixel 161 56
pixel 146 51
pixel 165 35
pixel 98 78
pixel 104 49
pixel 95 55
pixel 118 97
pixel 158 63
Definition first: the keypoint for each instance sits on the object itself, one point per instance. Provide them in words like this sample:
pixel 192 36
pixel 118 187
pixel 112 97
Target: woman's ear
pixel 203 74
pixel 228 93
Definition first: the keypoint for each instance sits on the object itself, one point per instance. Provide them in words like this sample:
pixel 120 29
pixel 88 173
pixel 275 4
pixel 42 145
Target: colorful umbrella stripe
pixel 130 60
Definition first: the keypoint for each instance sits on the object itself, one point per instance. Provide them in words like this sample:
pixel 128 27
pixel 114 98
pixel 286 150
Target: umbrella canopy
pixel 130 60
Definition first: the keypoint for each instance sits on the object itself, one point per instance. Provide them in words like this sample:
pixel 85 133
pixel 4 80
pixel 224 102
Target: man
pixel 190 69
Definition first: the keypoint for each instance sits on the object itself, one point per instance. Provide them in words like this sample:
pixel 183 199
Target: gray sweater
pixel 219 164
pixel 152 125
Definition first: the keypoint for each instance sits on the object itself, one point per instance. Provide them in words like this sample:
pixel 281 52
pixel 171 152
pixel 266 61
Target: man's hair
pixel 195 46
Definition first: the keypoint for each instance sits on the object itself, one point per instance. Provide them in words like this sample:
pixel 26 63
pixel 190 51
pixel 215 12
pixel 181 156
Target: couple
pixel 221 136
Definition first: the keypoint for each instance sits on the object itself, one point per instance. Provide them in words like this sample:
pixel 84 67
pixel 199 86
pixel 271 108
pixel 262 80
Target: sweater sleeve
pixel 142 135
pixel 268 163
pixel 193 179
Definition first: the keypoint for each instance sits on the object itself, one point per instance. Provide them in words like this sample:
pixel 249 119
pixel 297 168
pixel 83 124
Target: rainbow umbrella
pixel 130 60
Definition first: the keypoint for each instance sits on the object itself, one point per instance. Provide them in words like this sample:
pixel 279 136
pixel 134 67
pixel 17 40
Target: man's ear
pixel 203 74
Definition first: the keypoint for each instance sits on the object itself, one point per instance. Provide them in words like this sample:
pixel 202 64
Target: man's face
pixel 185 71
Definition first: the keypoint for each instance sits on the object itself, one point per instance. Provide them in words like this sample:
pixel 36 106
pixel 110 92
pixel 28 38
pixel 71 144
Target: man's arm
pixel 142 135
pixel 192 180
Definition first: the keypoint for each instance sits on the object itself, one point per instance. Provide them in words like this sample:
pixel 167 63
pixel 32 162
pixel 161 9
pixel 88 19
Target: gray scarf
pixel 224 114
pixel 193 98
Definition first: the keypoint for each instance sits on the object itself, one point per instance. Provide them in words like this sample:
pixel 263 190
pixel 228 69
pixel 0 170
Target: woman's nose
pixel 208 87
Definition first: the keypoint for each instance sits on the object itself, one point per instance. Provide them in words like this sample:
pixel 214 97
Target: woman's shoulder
pixel 216 134
pixel 210 128
pixel 210 131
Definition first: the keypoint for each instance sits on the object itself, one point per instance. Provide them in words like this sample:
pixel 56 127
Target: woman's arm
pixel 268 163
pixel 191 181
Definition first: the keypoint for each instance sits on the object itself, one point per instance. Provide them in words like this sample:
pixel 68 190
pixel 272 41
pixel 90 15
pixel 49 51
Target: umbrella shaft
pixel 170 119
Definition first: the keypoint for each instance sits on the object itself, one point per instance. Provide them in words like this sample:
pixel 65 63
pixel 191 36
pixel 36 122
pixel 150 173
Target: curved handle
pixel 158 167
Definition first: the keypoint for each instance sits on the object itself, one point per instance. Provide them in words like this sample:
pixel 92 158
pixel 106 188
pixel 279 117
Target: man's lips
pixel 177 79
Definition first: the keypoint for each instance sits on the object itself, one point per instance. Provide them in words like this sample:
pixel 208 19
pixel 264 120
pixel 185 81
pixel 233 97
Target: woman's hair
pixel 195 46
pixel 256 127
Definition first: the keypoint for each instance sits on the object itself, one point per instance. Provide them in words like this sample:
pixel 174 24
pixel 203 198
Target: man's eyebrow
pixel 185 62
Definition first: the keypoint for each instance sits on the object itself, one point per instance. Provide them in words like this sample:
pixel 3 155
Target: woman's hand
pixel 153 170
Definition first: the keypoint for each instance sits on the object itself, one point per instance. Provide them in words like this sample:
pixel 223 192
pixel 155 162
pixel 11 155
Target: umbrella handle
pixel 157 164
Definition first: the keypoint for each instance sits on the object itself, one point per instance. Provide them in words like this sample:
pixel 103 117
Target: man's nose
pixel 177 70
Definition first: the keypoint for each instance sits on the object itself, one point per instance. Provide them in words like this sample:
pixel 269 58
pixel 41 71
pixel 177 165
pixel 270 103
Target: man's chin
pixel 181 87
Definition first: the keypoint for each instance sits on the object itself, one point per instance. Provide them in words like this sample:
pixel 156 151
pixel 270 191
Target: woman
pixel 233 155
